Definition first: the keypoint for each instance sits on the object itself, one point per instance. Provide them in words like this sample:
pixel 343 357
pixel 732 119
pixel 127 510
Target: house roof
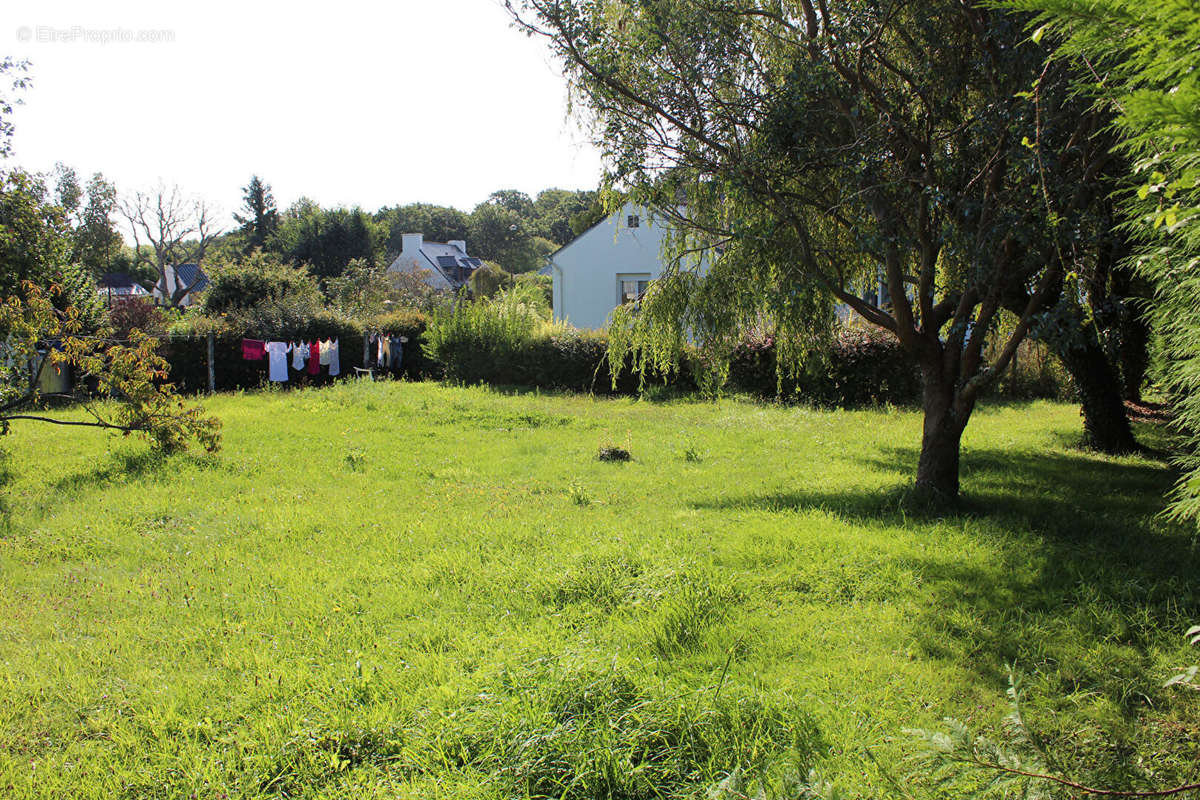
pixel 118 280
pixel 448 259
pixel 191 275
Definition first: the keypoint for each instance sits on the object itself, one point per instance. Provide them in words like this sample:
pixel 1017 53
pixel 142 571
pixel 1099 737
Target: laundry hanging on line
pixel 306 356
pixel 389 350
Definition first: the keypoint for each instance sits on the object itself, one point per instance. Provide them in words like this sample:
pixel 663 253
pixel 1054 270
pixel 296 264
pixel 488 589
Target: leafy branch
pixel 130 372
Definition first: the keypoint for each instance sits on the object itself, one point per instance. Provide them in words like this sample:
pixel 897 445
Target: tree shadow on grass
pixel 1087 579
pixel 119 468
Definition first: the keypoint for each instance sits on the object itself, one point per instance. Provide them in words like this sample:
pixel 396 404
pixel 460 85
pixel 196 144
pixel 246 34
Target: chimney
pixel 410 243
pixel 460 244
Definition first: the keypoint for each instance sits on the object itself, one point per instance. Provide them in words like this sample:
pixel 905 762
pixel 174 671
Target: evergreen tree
pixel 259 218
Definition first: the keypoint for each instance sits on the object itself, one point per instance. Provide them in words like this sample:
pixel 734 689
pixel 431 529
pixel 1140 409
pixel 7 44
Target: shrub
pixel 136 313
pixel 262 295
pixel 186 348
pixel 1035 373
pixel 488 280
pixel 862 367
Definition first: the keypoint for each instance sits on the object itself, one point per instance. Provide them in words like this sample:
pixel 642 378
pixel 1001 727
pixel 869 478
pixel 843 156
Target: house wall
pixel 585 271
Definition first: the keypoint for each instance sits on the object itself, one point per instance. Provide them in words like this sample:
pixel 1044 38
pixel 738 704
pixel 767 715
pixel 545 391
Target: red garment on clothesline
pixel 314 358
pixel 253 350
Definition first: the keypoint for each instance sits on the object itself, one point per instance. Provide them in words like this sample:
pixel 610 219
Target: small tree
pixel 96 240
pixel 130 373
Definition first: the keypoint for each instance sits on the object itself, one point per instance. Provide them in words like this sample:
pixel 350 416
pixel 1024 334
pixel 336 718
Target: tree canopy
pixel 808 150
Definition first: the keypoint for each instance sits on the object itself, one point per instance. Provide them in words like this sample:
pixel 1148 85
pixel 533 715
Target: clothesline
pixel 309 357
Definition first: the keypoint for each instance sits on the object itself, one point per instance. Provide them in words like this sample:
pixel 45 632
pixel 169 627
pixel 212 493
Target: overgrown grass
pixel 407 590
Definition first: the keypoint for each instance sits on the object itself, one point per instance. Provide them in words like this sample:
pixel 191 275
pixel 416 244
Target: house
pixel 607 265
pixel 119 286
pixel 442 266
pixel 614 261
pixel 182 276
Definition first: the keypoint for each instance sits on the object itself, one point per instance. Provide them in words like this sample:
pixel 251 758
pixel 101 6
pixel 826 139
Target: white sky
pixel 349 103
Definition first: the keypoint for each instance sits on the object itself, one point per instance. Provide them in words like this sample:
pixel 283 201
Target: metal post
pixel 212 373
pixel 366 350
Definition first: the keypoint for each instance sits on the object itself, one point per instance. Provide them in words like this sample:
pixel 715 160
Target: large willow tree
pixel 810 148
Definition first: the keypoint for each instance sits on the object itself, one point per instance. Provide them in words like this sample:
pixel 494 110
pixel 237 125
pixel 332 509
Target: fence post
pixel 366 350
pixel 212 373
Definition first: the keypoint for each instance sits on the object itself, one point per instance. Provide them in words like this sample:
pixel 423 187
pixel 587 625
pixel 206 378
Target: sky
pixel 347 103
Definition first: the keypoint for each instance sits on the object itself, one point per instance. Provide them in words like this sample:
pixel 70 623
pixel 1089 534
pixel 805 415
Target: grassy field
pixel 409 590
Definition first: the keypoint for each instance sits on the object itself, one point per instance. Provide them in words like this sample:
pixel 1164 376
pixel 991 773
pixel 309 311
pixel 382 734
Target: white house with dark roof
pixel 187 277
pixel 443 266
pixel 114 286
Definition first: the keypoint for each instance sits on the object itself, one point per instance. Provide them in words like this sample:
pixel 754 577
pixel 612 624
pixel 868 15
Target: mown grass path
pixel 413 590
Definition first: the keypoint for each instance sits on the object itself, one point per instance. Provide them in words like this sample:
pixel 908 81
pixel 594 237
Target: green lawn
pixel 409 590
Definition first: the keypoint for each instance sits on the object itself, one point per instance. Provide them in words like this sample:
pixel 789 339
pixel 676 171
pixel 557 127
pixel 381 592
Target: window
pixel 633 221
pixel 630 288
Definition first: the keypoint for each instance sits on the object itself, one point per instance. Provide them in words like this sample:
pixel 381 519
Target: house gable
pixel 592 272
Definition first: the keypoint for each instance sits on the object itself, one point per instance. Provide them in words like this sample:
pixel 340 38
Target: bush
pixel 1034 374
pixel 261 295
pixel 136 313
pixel 507 341
pixel 488 280
pixel 863 367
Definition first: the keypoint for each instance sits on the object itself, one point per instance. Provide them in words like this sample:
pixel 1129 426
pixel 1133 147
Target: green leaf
pixel 1038 34
pixel 1143 192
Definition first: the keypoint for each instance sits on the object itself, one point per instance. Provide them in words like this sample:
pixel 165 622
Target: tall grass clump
pixel 476 339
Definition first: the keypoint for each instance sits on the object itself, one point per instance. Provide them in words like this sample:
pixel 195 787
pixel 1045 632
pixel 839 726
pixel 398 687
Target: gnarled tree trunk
pixel 1105 423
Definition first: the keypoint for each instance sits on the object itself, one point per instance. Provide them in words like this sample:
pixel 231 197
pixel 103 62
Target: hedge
pixel 862 368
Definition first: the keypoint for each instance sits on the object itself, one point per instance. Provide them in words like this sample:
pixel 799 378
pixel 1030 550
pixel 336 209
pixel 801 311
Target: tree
pixel 259 217
pixel 35 234
pixel 178 230
pixel 437 223
pixel 517 202
pixel 502 235
pixel 67 190
pixel 554 210
pixel 361 290
pixel 131 373
pixel 18 72
pixel 1141 61
pixel 327 240
pixel 820 149
pixel 96 240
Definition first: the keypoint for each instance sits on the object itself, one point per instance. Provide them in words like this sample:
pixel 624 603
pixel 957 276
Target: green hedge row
pixel 863 367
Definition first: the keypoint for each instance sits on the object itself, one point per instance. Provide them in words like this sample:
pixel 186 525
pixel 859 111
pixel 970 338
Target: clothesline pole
pixel 212 374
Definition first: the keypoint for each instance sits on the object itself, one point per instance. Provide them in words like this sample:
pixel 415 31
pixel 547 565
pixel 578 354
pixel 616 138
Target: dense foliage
pixel 38 336
pixel 1142 61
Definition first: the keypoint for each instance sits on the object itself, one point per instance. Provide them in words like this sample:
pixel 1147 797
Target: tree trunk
pixel 937 469
pixel 1105 423
pixel 1134 355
